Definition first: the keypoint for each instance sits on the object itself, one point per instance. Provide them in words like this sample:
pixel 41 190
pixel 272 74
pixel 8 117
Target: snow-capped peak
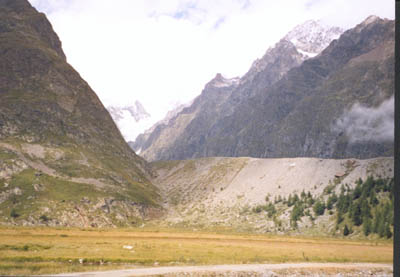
pixel 130 119
pixel 308 39
pixel 136 111
pixel 311 37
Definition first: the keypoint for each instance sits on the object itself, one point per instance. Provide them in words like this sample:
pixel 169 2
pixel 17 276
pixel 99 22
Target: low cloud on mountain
pixel 362 123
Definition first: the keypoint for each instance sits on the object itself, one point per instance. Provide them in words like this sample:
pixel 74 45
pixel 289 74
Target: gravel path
pixel 299 269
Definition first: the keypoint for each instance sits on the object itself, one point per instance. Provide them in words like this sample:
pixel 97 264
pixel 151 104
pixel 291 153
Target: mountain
pixel 62 159
pixel 136 111
pixel 130 119
pixel 291 105
pixel 311 37
pixel 165 121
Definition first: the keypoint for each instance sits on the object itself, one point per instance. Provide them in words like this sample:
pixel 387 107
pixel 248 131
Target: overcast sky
pixel 162 52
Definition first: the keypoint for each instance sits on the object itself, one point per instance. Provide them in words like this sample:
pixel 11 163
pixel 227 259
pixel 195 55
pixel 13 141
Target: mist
pixel 362 123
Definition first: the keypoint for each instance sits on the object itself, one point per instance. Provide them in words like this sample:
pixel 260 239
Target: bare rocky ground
pixel 212 192
pixel 257 270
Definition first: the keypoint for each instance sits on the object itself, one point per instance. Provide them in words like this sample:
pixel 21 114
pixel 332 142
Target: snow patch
pixel 308 54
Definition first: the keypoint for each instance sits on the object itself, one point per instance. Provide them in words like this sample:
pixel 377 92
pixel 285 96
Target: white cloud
pixel 163 52
pixel 362 123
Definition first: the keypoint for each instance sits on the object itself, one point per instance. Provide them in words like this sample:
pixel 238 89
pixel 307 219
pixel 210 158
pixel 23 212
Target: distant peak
pixel 370 19
pixel 220 81
pixel 219 77
pixel 313 36
pixel 137 111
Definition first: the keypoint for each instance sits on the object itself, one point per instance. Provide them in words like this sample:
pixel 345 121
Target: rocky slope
pixel 62 159
pixel 287 107
pixel 237 193
pixel 165 121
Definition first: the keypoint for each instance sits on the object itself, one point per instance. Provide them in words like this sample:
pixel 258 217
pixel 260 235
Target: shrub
pixel 14 213
pixel 44 218
pixel 257 209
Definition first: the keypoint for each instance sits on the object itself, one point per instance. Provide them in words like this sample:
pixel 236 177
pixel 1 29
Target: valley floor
pixel 58 250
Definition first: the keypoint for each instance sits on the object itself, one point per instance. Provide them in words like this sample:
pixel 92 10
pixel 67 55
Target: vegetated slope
pixel 189 133
pixel 305 195
pixel 329 106
pixel 62 159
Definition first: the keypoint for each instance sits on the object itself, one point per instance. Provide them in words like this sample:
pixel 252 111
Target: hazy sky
pixel 162 52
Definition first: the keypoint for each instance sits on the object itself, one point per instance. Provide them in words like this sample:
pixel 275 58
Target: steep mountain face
pixel 293 107
pixel 221 97
pixel 62 158
pixel 165 121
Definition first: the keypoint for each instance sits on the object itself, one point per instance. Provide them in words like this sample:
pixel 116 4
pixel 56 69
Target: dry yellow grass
pixel 49 250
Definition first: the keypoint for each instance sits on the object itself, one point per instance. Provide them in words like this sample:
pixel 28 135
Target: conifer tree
pixel 367 226
pixel 346 230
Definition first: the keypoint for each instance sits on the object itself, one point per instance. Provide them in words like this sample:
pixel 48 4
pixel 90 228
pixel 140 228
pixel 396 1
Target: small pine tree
pixel 373 200
pixel 290 201
pixel 356 214
pixel 381 228
pixel 357 192
pixel 367 226
pixel 296 198
pixel 331 201
pixel 297 212
pixel 339 218
pixel 346 230
pixel 319 207
pixel 377 219
pixel 365 208
pixel 388 232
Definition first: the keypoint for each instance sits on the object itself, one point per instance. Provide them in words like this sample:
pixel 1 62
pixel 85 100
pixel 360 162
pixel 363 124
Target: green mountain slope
pixel 61 156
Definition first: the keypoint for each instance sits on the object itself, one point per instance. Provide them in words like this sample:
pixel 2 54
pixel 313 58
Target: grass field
pixel 50 250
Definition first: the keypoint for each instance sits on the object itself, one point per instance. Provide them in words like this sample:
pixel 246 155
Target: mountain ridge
pixel 238 127
pixel 265 71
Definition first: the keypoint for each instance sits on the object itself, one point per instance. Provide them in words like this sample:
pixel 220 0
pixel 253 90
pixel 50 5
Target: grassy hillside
pixel 61 156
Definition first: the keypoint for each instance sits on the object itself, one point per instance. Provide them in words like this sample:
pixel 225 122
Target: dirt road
pixel 299 269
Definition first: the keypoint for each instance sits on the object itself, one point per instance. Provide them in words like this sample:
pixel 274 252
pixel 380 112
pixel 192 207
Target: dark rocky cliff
pixel 293 108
